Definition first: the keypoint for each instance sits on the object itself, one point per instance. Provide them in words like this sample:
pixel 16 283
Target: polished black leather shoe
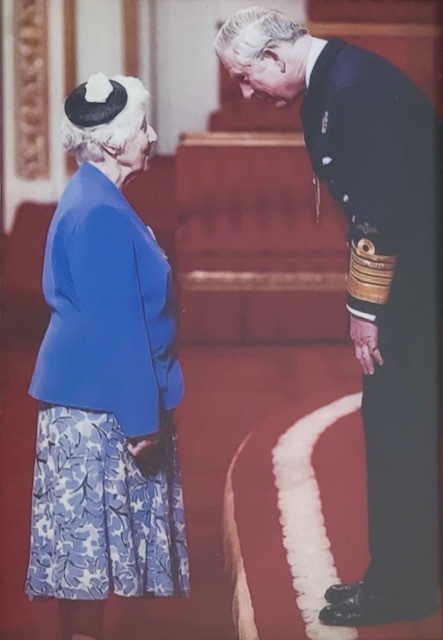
pixel 363 609
pixel 339 592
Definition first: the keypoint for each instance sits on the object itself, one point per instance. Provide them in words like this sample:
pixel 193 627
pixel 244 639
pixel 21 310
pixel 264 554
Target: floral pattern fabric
pixel 101 521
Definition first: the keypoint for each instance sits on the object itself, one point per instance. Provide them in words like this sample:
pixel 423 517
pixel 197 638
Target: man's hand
pixel 365 337
pixel 141 447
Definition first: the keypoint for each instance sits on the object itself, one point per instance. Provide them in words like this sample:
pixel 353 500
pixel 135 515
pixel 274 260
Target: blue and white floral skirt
pixel 102 521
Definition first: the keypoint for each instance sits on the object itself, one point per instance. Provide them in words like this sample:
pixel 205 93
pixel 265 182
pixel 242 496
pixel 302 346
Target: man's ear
pixel 273 54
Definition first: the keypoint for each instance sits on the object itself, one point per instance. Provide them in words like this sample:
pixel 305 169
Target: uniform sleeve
pixel 105 279
pixel 368 131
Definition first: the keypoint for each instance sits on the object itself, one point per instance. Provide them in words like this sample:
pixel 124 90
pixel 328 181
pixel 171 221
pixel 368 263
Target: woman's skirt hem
pixel 101 521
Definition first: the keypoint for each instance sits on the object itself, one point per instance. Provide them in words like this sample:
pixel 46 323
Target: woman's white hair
pixel 250 31
pixel 87 143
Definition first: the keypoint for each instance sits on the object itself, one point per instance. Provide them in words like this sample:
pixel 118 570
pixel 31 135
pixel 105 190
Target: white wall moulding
pixel 31 89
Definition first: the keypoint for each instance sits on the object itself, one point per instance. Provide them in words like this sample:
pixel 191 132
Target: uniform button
pixel 353 219
pixel 346 198
pixel 326 160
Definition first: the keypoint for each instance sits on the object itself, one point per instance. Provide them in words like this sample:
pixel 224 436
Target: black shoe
pixel 363 609
pixel 339 592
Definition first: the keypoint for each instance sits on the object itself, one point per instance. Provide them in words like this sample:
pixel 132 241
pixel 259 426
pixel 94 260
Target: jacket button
pixel 346 198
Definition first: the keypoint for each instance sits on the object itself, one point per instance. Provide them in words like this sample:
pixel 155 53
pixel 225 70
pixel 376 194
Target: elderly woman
pixel 107 509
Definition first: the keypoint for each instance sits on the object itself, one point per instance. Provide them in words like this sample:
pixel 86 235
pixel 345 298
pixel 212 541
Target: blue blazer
pixel 110 344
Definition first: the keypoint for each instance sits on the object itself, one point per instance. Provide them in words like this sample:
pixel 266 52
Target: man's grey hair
pixel 250 31
pixel 87 143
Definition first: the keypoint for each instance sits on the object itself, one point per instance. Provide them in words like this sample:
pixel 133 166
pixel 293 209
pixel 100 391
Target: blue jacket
pixel 110 342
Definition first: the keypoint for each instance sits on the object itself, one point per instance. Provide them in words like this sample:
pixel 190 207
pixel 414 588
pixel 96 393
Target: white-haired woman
pixel 107 510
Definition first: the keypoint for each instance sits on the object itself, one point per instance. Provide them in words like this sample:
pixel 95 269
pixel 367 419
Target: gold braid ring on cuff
pixel 370 275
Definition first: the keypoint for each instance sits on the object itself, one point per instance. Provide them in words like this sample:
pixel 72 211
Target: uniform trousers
pixel 400 413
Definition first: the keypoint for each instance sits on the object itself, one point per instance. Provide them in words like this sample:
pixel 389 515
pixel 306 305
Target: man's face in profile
pixel 263 78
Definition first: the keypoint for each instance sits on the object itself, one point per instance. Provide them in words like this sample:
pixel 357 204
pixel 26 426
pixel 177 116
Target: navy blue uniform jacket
pixel 373 136
pixel 110 342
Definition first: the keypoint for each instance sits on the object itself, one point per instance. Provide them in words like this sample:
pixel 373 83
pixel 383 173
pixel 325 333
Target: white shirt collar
pixel 317 46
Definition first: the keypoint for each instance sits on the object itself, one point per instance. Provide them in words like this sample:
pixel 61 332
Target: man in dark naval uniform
pixel 372 136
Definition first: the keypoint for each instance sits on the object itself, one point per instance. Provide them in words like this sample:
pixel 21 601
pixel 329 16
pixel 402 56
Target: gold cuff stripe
pixel 373 281
pixel 367 292
pixel 370 275
pixel 379 266
pixel 371 257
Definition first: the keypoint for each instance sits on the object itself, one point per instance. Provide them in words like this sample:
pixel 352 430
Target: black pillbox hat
pixel 90 114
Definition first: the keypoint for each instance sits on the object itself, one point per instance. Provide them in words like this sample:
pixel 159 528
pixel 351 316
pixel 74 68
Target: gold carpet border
pixel 253 281
pixel 242 607
pixel 241 139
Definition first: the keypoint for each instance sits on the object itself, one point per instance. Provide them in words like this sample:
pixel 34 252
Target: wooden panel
pixel 400 11
pixel 130 37
pixel 70 60
pixel 213 175
pixel 213 317
pixel 262 316
pixel 415 49
pixel 70 45
pixel 346 29
pixel 280 316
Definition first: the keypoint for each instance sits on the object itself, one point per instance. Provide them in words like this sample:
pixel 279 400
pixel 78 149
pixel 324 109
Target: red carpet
pixel 229 392
pixel 338 461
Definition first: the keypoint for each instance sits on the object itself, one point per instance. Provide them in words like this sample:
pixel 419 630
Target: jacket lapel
pixel 314 110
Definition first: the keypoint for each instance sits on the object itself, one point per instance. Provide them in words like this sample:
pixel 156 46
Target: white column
pixel 99 38
pixel 186 68
pixel 147 51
